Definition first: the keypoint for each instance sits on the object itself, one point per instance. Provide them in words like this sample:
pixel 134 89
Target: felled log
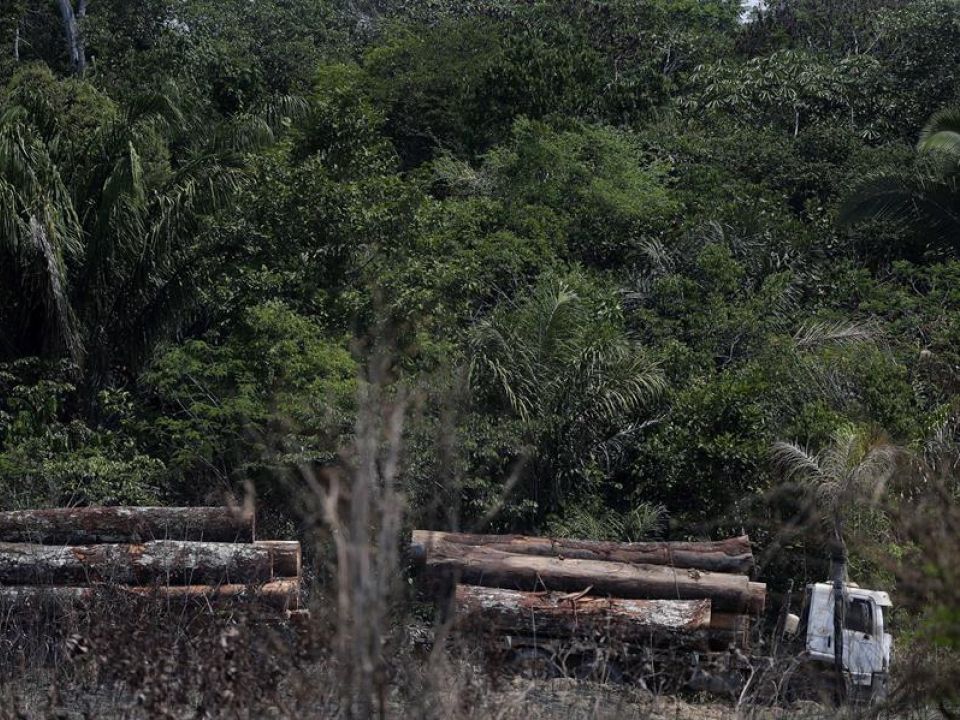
pixel 279 594
pixel 727 629
pixel 476 565
pixel 170 562
pixel 731 622
pixel 87 525
pixel 733 555
pixel 559 615
pixel 285 557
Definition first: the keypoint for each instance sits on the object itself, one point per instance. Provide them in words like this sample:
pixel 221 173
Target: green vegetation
pixel 612 251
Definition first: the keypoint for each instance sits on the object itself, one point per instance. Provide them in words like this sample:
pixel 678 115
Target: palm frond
pixel 54 284
pixel 283 110
pixel 161 107
pixel 657 255
pixel 123 187
pixel 871 475
pixel 942 133
pixel 549 317
pixel 498 357
pixel 829 491
pixel 942 442
pixel 199 189
pixel 795 462
pixel 159 308
pixel 847 448
pixel 817 334
pixel 41 234
pixel 243 134
pixel 927 199
pixel 890 197
pixel 902 196
pixel 616 445
pixel 614 381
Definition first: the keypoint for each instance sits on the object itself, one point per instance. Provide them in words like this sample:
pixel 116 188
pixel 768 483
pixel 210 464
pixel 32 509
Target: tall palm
pixel 576 383
pixel 928 199
pixel 41 237
pixel 100 254
pixel 850 472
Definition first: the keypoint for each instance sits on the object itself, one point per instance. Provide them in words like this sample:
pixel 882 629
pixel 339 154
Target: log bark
pixel 279 594
pixel 733 555
pixel 81 526
pixel 558 615
pixel 483 566
pixel 170 562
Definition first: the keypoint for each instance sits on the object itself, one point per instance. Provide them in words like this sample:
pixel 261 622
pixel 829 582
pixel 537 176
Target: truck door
pixel 819 621
pixel 862 643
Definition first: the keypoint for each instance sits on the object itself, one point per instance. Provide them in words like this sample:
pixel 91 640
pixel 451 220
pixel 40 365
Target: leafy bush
pixel 48 458
pixel 274 394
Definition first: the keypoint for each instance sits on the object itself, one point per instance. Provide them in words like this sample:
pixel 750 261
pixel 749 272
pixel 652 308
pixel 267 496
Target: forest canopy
pixel 613 251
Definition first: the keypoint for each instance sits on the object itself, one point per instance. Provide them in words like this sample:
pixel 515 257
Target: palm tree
pixel 852 470
pixel 102 242
pixel 928 199
pixel 576 383
pixel 41 237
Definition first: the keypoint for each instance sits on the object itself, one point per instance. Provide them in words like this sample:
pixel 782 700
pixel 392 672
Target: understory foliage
pixel 614 253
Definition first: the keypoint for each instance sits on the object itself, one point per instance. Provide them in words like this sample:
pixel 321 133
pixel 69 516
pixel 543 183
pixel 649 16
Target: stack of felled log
pixel 560 587
pixel 205 554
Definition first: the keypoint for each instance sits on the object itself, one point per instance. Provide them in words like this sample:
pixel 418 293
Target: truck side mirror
pixel 791 625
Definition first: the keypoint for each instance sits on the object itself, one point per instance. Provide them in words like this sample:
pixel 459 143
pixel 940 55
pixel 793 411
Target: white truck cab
pixel 866 644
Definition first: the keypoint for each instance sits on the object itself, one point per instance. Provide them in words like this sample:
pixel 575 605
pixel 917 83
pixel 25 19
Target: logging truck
pixel 668 616
pixel 843 616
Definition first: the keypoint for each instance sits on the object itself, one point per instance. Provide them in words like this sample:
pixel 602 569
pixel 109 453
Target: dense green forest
pixel 606 255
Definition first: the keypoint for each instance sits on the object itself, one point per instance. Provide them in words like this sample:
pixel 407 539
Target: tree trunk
pixel 81 526
pixel 171 562
pixel 16 43
pixel 733 555
pixel 279 594
pixel 71 33
pixel 555 615
pixel 446 562
pixel 81 41
pixel 838 553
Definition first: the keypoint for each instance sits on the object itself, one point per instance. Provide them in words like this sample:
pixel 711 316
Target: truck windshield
pixel 858 616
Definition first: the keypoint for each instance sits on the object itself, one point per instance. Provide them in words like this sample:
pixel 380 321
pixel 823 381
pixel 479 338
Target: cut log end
pixel 285 557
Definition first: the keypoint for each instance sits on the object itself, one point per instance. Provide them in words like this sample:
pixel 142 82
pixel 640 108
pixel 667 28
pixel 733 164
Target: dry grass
pixel 122 659
pixel 363 654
